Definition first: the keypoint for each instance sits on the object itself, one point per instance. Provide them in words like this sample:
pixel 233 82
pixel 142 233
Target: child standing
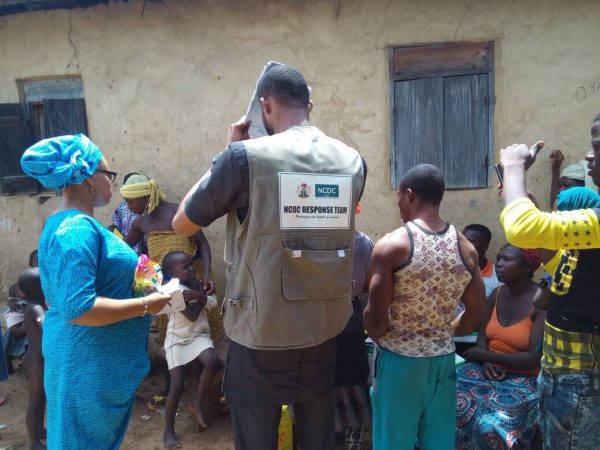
pixel 35 311
pixel 15 340
pixel 188 339
pixel 352 410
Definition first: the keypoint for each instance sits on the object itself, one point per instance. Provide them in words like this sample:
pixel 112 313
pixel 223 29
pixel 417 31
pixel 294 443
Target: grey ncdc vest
pixel 290 262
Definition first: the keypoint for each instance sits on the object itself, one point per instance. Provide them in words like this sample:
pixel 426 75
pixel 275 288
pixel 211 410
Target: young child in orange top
pixel 480 236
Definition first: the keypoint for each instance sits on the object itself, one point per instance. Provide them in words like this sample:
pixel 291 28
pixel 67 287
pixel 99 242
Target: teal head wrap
pixel 60 161
pixel 577 198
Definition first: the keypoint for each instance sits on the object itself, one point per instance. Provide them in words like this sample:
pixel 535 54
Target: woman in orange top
pixel 496 391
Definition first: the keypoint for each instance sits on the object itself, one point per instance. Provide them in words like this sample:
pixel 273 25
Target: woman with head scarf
pixel 122 219
pixel 95 333
pixel 154 222
pixel 496 398
pixel 574 175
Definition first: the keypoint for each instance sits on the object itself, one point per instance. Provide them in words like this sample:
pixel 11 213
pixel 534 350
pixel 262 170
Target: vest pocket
pixel 315 274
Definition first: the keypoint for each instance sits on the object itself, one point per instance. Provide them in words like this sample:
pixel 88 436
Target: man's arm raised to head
pixel 388 254
pixel 225 190
pixel 474 295
pixel 528 227
pixel 181 223
pixel 515 160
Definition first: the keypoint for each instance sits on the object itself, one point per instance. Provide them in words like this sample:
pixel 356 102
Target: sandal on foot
pixel 157 401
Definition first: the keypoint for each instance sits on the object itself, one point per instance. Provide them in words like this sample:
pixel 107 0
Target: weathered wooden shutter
pixel 443 110
pixel 443 121
pixel 15 138
pixel 466 121
pixel 64 117
pixel 418 120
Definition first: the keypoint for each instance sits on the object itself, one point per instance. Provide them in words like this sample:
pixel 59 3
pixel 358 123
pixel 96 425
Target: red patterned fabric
pixel 533 258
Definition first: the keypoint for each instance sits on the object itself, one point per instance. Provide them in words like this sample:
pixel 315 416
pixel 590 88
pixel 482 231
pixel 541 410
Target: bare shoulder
pixel 393 248
pixel 139 221
pixel 34 315
pixel 468 251
pixel 171 207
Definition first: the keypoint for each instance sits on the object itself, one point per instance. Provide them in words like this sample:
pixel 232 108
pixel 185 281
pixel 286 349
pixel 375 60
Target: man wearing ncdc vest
pixel 290 199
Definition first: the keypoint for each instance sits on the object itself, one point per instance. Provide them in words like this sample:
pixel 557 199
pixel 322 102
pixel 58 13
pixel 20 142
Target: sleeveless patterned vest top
pixel 427 288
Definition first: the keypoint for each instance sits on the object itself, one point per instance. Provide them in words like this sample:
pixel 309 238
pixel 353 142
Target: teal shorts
pixel 414 402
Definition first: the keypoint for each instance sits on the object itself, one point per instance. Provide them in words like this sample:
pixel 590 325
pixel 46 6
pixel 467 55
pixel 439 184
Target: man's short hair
pixel 484 231
pixel 426 181
pixel 287 85
pixel 596 119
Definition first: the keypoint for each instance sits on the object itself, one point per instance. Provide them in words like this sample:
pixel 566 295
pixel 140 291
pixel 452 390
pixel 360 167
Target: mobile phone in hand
pixel 499 172
pixel 536 148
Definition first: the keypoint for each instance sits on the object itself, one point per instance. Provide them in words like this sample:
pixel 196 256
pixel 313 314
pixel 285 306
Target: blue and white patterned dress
pixel 494 414
pixel 91 373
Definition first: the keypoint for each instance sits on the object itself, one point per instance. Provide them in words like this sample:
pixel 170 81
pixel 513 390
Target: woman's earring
pixel 93 190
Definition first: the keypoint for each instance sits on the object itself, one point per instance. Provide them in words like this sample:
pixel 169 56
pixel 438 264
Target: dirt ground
pixel 145 428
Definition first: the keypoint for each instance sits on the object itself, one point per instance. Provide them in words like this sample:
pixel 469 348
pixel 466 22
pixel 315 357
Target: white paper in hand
pixel 177 302
pixel 253 114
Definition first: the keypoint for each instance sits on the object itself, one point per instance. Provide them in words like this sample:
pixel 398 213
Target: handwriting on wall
pixel 584 92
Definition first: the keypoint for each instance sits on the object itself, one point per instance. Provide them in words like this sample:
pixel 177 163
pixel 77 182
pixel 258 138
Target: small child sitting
pixel 35 312
pixel 15 340
pixel 187 340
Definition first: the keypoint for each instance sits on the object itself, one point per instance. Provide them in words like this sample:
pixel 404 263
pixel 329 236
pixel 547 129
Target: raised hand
pixel 238 131
pixel 557 158
pixel 520 154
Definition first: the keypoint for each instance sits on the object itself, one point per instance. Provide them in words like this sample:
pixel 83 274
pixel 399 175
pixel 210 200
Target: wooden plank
pixel 442 59
pixel 11 110
pixel 418 119
pixel 465 125
pixel 15 138
pixel 53 88
pixel 64 117
pixel 22 6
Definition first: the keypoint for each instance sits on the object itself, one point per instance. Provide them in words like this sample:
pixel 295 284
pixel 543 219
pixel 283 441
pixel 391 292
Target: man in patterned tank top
pixel 419 273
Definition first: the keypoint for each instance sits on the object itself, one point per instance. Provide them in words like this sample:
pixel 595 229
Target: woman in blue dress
pixel 95 334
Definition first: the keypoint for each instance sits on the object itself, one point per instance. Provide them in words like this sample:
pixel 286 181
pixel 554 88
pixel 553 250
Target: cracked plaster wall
pixel 161 89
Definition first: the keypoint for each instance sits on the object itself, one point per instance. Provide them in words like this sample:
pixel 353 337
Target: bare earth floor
pixel 145 428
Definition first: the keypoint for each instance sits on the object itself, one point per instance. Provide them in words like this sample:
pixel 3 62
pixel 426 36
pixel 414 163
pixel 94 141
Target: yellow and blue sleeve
pixel 528 227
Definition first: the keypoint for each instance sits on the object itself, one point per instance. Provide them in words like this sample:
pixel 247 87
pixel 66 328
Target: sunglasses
pixel 112 176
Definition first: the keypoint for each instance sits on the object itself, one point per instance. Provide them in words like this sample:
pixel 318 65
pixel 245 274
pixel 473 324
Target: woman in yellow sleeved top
pixel 569 382
pixel 144 197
